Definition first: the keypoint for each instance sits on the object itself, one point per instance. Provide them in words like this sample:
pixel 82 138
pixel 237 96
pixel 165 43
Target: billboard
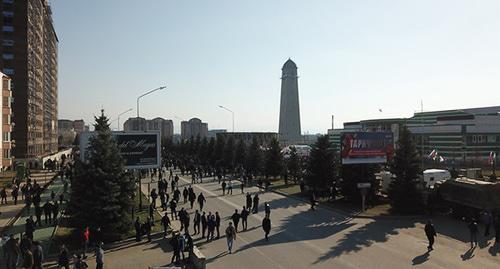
pixel 366 147
pixel 140 150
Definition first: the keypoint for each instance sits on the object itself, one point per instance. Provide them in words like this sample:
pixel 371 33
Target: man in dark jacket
pixel 138 232
pixel 192 198
pixel 244 218
pixel 185 194
pixel 223 187
pixel 256 204
pixel 204 223
pixel 249 201
pixel 473 229
pixel 174 242
pixel 197 222
pixel 217 223
pixel 165 221
pixel 236 219
pixel 47 210
pixel 211 226
pixel 266 226
pixel 30 228
pixel 430 233
pixel 201 200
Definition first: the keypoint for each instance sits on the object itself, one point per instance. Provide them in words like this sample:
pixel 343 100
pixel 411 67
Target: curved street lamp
pixel 232 113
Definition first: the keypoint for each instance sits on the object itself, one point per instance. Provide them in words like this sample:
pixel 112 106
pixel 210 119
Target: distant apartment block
pixel 67 130
pixel 6 124
pixel 29 58
pixel 193 128
pixel 166 127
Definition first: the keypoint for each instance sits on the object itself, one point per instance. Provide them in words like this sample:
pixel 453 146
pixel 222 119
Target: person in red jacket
pixel 86 238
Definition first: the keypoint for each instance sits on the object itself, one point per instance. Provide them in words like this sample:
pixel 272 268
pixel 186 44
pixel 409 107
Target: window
pixel 6 119
pixel 8 28
pixel 6 153
pixel 8 56
pixel 8 71
pixel 8 14
pixel 6 136
pixel 7 42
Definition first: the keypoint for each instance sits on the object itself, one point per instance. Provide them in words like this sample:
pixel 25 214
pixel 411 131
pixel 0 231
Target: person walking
pixel 138 231
pixel 430 232
pixel 197 222
pixel 27 259
pixel 201 200
pixel 176 257
pixel 266 226
pixel 55 212
pixel 15 193
pixel 312 200
pixel 230 237
pixel 497 229
pixel 244 218
pixel 242 186
pixel 236 219
pixel 185 194
pixel 488 221
pixel 249 201
pixel 204 223
pixel 173 211
pixel 99 256
pixel 473 230
pixel 154 196
pixel 187 221
pixel 37 255
pixel 267 209
pixel 230 187
pixel 165 221
pixel 192 198
pixel 256 204
pixel 3 196
pixel 223 185
pixel 147 228
pixel 47 210
pixel 11 252
pixel 211 226
pixel 29 228
pixel 38 215
pixel 63 259
pixel 217 223
pixel 86 240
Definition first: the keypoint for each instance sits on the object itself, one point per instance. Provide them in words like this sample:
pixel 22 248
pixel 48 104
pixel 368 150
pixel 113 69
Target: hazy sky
pixel 354 57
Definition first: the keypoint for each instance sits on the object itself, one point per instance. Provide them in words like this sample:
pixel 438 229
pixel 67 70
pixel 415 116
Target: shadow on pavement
pixel 469 254
pixel 421 258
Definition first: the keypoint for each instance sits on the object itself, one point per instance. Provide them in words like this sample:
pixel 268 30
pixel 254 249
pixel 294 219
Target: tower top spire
pixel 289 64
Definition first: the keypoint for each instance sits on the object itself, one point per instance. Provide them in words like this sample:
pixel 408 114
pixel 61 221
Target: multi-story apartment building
pixel 166 127
pixel 193 128
pixel 29 57
pixel 6 145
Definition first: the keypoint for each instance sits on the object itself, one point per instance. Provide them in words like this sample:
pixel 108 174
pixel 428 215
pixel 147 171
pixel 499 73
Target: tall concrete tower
pixel 289 129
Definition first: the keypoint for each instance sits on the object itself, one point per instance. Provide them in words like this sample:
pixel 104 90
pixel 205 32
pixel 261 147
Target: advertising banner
pixel 140 150
pixel 367 147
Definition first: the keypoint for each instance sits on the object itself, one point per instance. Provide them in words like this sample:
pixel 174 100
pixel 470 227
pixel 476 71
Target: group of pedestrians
pixel 473 228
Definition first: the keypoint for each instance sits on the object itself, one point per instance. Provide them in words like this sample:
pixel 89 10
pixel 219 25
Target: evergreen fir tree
pixel 220 143
pixel 403 192
pixel 203 150
pixel 254 159
pixel 229 154
pixel 293 164
pixel 274 160
pixel 102 192
pixel 352 174
pixel 240 154
pixel 321 164
pixel 210 151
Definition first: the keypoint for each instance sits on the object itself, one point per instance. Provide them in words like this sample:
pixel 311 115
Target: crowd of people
pixel 25 252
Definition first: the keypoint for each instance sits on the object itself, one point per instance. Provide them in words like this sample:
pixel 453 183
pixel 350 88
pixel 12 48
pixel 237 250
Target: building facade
pixel 213 133
pixel 29 57
pixel 289 124
pixel 461 136
pixel 166 127
pixel 6 123
pixel 193 128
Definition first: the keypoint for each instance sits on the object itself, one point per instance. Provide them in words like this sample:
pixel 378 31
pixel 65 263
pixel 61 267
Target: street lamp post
pixel 232 113
pixel 138 98
pixel 128 110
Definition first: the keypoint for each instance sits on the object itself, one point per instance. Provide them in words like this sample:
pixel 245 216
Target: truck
pixel 466 198
pixel 431 176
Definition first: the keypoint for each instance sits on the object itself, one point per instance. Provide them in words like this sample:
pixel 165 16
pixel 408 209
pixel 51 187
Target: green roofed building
pixel 460 136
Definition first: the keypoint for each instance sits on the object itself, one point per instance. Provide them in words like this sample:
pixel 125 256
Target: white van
pixel 431 176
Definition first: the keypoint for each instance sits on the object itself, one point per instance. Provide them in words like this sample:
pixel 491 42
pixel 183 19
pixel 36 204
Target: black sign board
pixel 140 150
